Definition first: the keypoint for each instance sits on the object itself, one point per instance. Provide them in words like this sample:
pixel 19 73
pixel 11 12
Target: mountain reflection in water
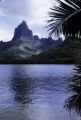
pixel 34 92
pixel 22 86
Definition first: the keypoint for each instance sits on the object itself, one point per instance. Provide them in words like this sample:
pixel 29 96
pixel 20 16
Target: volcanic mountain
pixel 24 45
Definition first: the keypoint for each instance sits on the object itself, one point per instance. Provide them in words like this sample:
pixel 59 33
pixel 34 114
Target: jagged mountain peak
pixel 24 45
pixel 24 23
pixel 22 30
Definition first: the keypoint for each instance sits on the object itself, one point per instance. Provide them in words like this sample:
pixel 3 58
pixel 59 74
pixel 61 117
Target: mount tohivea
pixel 24 45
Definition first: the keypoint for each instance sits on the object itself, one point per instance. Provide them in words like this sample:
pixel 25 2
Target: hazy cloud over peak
pixel 35 12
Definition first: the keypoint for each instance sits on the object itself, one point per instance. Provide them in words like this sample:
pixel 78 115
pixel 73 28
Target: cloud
pixel 5 34
pixel 35 12
pixel 14 7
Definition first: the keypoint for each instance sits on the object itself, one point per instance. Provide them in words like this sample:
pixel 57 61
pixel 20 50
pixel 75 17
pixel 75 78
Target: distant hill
pixel 68 53
pixel 24 45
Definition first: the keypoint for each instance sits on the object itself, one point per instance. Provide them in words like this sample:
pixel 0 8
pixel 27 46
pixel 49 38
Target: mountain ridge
pixel 67 53
pixel 24 45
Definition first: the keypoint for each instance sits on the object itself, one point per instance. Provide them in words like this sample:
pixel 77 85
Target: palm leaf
pixel 74 103
pixel 65 18
pixel 74 86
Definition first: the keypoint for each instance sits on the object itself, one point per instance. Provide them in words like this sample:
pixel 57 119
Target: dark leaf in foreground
pixel 65 18
pixel 74 102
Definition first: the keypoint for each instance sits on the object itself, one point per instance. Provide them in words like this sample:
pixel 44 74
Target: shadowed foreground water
pixel 34 92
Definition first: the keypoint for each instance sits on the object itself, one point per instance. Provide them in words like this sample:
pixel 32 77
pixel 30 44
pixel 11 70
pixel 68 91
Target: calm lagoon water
pixel 35 92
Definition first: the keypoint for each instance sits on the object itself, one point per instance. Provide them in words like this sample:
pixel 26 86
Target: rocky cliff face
pixel 24 44
pixel 22 30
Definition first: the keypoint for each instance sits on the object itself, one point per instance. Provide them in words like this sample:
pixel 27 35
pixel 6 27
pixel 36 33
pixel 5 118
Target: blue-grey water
pixel 35 92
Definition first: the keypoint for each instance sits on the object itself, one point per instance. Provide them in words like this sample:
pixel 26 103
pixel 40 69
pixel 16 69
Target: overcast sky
pixel 34 12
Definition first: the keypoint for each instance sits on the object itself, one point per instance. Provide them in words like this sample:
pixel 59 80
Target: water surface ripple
pixel 34 92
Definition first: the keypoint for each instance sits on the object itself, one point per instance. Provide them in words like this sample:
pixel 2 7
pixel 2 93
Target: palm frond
pixel 65 18
pixel 74 103
pixel 74 86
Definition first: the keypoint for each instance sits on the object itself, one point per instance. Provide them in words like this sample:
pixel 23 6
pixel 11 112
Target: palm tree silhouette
pixel 74 102
pixel 65 18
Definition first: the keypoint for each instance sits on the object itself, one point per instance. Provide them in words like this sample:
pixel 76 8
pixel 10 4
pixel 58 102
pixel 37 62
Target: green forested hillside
pixel 68 52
